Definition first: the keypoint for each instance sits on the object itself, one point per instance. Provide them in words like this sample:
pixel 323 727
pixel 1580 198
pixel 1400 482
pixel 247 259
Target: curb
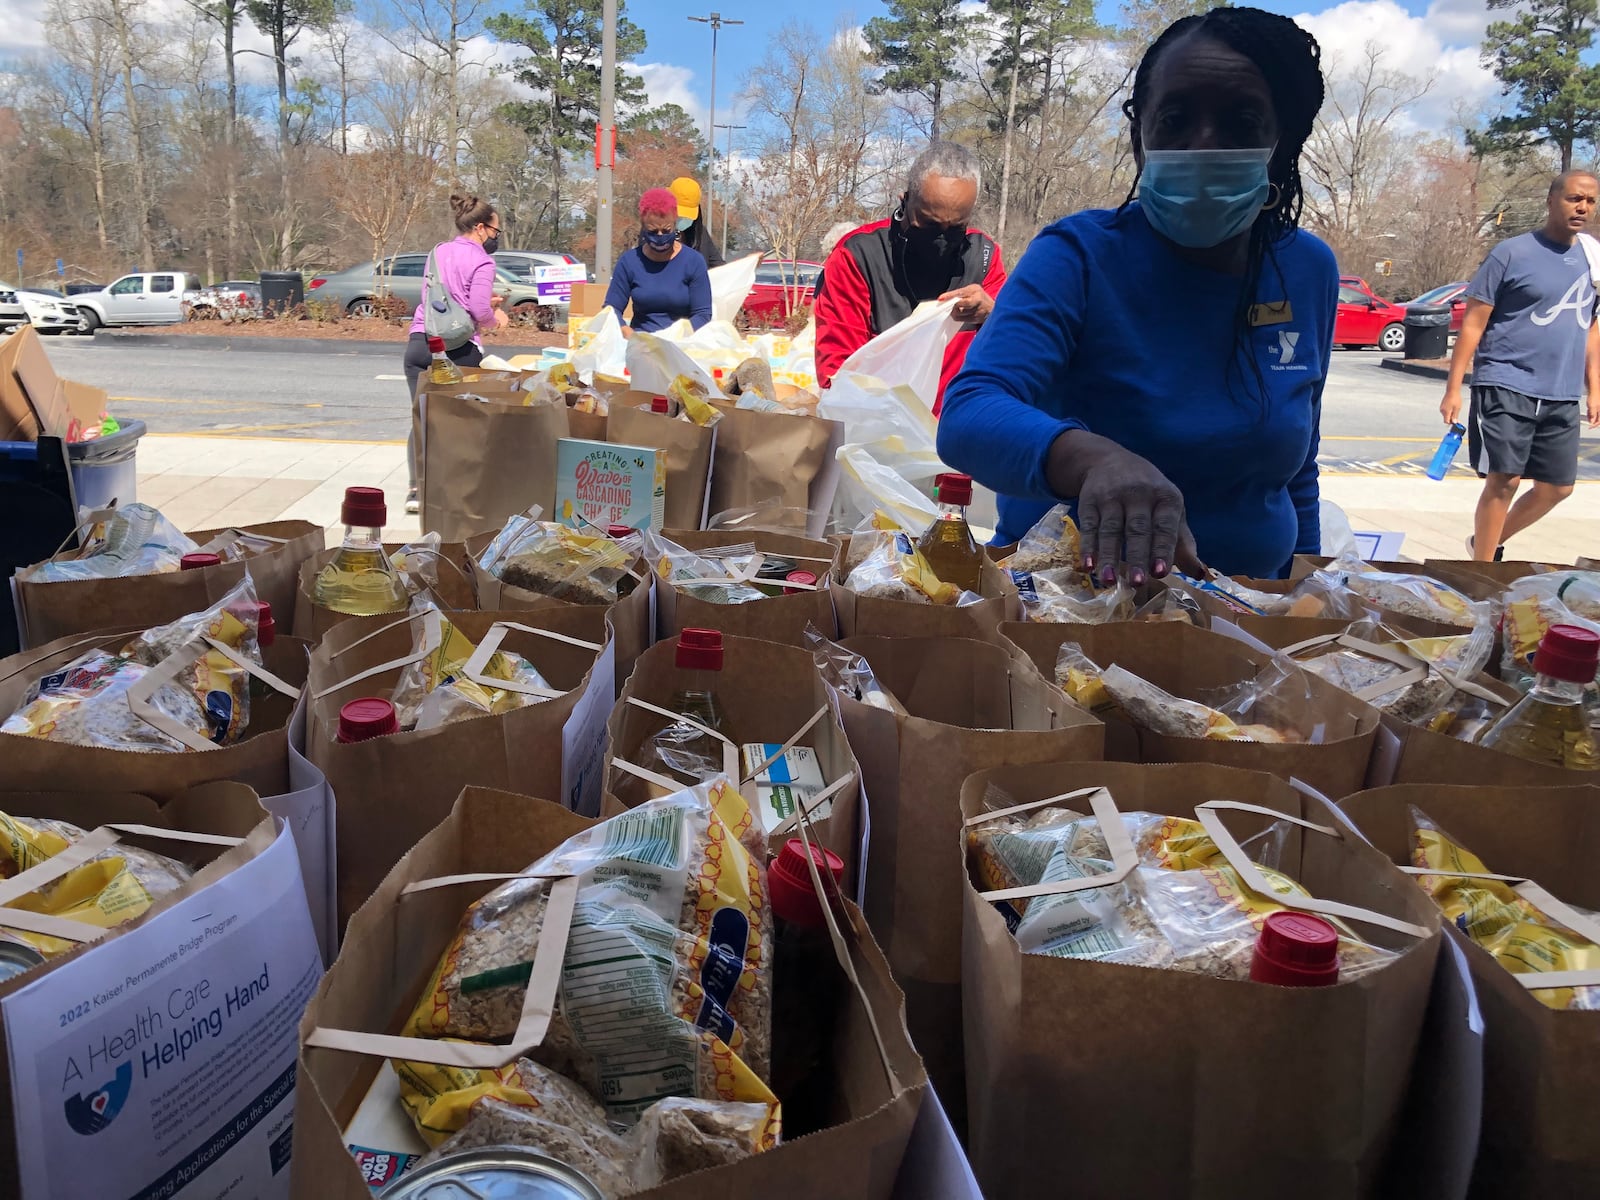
pixel 1427 370
pixel 156 341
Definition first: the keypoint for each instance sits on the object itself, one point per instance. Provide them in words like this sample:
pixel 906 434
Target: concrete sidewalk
pixel 205 482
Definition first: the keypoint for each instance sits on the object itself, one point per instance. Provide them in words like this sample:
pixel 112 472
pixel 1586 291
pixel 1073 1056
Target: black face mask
pixel 491 244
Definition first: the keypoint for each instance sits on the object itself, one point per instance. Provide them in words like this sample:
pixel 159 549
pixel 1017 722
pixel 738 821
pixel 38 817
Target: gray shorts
pixel 1512 434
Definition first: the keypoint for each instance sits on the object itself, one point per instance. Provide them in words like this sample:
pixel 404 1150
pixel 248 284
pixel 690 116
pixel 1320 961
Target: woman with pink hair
pixel 663 279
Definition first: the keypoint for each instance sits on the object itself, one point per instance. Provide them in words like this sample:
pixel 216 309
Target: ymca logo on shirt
pixel 1284 351
pixel 1578 300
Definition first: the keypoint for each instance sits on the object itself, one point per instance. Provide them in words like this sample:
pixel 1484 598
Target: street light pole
pixel 716 20
pixel 727 158
pixel 605 144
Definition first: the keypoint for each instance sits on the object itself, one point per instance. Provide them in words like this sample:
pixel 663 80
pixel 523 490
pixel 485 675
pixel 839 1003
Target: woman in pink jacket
pixel 467 273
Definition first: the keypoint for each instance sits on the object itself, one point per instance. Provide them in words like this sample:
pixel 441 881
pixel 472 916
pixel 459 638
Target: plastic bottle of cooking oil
pixel 686 751
pixel 1549 724
pixel 441 369
pixel 948 544
pixel 361 581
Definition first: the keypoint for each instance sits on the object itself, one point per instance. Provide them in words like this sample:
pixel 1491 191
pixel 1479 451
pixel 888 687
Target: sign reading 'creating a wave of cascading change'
pixel 162 1063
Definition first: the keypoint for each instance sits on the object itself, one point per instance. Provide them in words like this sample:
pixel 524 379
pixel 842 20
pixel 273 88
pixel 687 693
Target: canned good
pixel 16 956
pixel 773 571
pixel 494 1173
pixel 807 581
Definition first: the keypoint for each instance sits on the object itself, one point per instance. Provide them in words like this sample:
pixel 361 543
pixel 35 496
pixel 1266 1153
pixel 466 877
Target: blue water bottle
pixel 1446 453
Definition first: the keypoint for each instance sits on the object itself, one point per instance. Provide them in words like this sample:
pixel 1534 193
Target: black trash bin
pixel 37 497
pixel 1427 331
pixel 282 290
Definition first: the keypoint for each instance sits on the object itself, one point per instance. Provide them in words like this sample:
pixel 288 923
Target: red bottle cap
pixel 435 345
pixel 700 650
pixel 368 717
pixel 193 562
pixel 1569 653
pixel 364 508
pixel 618 532
pixel 789 882
pixel 1296 950
pixel 954 488
pixel 660 404
pixel 266 626
pixel 807 578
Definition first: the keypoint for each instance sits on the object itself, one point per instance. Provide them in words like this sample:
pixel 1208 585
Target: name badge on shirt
pixel 1277 313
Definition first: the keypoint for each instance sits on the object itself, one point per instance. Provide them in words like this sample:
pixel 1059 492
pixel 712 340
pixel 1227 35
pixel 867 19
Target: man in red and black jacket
pixel 877 275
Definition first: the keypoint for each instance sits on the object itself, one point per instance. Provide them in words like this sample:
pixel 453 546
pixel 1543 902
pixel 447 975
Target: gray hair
pixel 947 160
pixel 835 235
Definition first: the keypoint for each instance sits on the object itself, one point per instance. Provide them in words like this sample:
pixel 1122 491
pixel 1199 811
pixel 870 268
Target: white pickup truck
pixel 147 298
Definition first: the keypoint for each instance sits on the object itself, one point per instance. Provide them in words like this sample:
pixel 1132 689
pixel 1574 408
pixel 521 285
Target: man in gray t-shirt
pixel 1534 347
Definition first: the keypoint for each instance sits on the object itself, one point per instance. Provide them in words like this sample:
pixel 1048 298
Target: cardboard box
pixel 606 484
pixel 34 400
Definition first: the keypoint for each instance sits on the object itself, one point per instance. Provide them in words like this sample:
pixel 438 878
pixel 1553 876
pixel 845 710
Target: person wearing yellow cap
pixel 692 231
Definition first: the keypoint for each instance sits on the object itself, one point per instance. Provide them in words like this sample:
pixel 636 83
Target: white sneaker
pixel 413 505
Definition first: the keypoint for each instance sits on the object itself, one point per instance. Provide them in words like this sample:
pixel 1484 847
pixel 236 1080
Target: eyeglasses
pixel 494 230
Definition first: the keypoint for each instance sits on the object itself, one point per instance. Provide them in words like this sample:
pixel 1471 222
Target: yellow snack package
pixel 108 890
pixel 671 912
pixel 1079 677
pixel 1519 936
pixel 433 691
pixel 695 400
pixel 897 570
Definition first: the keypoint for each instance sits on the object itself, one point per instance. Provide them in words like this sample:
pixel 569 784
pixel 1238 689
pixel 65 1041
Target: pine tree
pixel 919 45
pixel 1538 56
pixel 563 68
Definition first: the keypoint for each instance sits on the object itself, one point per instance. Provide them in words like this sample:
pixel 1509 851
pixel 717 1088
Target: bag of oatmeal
pixel 136 540
pixel 671 911
pixel 716 575
pixel 88 702
pixel 1408 595
pixel 558 561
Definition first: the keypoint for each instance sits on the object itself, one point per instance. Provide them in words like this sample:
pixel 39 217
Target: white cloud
pixel 1413 45
pixel 667 83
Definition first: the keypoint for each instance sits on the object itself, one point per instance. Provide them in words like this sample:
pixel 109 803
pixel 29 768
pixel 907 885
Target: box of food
pixel 602 484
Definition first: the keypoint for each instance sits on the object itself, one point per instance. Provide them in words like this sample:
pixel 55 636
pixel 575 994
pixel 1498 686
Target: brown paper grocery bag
pixel 781 459
pixel 260 760
pixel 970 705
pixel 391 790
pixel 777 618
pixel 232 828
pixel 866 616
pixel 485 461
pixel 632 618
pixel 1429 757
pixel 1540 1105
pixel 1189 663
pixel 688 448
pixel 768 693
pixel 1159 1082
pixel 48 611
pixel 395 940
pixel 312 621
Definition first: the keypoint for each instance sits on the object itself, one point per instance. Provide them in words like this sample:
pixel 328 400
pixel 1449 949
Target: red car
pixel 1453 294
pixel 773 297
pixel 1364 319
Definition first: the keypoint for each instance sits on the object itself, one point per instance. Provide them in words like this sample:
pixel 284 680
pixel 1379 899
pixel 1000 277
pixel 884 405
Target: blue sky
pixel 1420 37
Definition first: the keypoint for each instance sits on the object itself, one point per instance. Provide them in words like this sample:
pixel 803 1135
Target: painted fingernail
pixel 1088 563
pixel 1159 570
pixel 1138 579
pixel 1108 576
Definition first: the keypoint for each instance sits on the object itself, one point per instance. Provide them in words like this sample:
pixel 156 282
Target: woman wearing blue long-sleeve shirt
pixel 1162 364
pixel 663 279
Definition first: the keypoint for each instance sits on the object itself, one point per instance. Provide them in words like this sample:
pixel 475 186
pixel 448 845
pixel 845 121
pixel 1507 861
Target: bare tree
pixel 84 82
pixel 383 192
pixel 1360 151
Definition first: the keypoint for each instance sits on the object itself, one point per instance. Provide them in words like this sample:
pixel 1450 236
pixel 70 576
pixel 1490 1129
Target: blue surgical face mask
pixel 658 241
pixel 1201 198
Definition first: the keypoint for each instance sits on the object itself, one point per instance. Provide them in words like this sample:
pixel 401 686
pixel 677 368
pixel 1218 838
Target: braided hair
pixel 1289 59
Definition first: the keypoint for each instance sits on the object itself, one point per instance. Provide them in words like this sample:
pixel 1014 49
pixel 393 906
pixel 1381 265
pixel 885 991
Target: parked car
pixel 1364 319
pixel 1354 281
pixel 1453 294
pixel 773 297
pixel 143 298
pixel 233 300
pixel 357 290
pixel 43 307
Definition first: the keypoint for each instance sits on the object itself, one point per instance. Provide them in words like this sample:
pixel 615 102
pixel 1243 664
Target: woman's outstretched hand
pixel 1128 512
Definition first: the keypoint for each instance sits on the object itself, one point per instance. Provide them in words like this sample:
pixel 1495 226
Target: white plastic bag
pixel 888 460
pixel 654 362
pixel 911 353
pixel 606 352
pixel 731 284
